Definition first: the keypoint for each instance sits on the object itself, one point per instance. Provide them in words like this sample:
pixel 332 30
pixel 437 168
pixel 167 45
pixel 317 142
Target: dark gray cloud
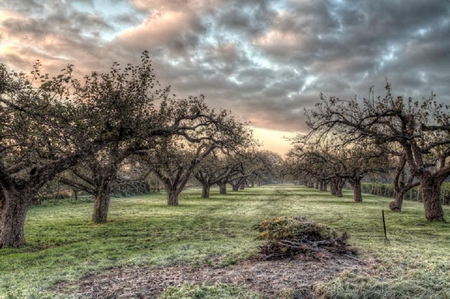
pixel 264 60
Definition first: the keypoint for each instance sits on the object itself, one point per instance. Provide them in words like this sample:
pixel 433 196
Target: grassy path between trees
pixel 63 245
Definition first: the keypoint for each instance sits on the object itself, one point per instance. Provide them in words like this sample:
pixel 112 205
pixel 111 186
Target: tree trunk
pixel 357 191
pixel 339 186
pixel 396 205
pixel 323 185
pixel 13 211
pixel 223 188
pixel 205 190
pixel 235 187
pixel 172 196
pixel 101 202
pixel 333 187
pixel 431 192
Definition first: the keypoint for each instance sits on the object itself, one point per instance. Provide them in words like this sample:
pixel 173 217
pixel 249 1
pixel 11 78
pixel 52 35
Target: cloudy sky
pixel 266 60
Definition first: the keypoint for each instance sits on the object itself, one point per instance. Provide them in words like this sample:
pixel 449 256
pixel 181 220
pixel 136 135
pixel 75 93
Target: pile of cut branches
pixel 287 237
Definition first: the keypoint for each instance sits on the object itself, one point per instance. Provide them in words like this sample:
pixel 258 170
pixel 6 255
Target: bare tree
pixel 419 128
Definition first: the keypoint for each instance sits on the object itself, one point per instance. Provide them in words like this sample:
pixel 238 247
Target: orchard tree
pixel 266 168
pixel 123 102
pixel 355 161
pixel 309 161
pixel 216 168
pixel 42 133
pixel 337 162
pixel 174 158
pixel 403 181
pixel 420 128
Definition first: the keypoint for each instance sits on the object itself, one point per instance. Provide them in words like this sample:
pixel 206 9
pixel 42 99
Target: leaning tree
pixel 420 128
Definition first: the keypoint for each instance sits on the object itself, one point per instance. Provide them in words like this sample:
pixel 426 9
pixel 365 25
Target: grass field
pixel 63 245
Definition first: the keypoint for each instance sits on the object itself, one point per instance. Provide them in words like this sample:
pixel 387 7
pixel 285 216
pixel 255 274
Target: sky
pixel 265 60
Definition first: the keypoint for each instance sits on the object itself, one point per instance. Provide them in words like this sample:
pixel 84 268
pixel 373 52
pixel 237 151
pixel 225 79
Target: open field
pixel 217 233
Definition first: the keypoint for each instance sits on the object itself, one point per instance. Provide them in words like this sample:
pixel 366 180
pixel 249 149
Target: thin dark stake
pixel 386 240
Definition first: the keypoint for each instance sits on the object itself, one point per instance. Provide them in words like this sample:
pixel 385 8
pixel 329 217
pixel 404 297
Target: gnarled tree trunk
pixel 172 196
pixel 401 185
pixel 396 205
pixel 13 212
pixel 431 191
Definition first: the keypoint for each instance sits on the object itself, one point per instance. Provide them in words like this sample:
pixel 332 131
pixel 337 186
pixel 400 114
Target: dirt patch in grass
pixel 271 278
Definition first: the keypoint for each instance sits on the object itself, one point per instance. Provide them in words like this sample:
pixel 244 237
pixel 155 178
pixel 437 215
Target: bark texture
pixel 223 188
pixel 357 190
pixel 206 190
pixel 13 212
pixel 396 205
pixel 431 193
pixel 101 202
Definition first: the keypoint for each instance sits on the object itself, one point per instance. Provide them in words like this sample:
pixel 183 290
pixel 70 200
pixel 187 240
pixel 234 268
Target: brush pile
pixel 288 237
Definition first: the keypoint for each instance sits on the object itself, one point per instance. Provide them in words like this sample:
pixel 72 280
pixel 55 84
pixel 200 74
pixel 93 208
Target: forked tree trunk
pixel 401 185
pixel 205 190
pixel 235 187
pixel 101 202
pixel 223 188
pixel 431 192
pixel 15 204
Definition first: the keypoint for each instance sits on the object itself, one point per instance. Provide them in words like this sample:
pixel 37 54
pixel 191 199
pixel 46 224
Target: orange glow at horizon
pixel 273 140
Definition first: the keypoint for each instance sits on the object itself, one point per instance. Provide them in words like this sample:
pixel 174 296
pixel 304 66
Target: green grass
pixel 63 245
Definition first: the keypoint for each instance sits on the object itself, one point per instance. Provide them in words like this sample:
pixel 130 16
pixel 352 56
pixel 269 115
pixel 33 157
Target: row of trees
pixel 326 163
pixel 83 131
pixel 353 138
